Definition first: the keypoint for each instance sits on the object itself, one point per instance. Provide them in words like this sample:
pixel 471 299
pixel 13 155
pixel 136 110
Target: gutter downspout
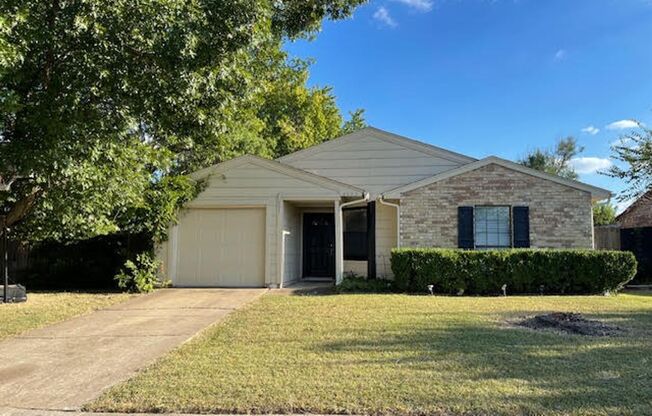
pixel 398 218
pixel 338 247
pixel 364 199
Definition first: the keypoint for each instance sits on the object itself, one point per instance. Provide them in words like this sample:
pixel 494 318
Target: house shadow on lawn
pixel 505 366
pixel 307 288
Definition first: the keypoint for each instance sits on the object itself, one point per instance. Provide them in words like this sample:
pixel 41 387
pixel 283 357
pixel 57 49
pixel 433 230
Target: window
pixel 355 233
pixel 492 227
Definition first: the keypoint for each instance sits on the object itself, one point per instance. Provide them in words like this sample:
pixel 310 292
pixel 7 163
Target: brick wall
pixel 639 214
pixel 560 216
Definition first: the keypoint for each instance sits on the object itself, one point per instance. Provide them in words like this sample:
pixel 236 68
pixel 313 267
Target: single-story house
pixel 339 208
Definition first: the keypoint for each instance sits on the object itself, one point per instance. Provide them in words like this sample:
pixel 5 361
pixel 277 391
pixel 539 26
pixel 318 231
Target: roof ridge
pixel 506 164
pixel 273 164
pixel 380 134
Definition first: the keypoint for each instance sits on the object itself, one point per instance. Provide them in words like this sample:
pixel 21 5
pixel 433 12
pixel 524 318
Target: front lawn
pixel 45 308
pixel 391 354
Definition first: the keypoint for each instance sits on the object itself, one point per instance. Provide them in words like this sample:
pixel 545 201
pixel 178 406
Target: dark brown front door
pixel 318 245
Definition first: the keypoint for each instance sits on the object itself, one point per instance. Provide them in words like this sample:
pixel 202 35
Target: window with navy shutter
pixel 465 227
pixel 521 226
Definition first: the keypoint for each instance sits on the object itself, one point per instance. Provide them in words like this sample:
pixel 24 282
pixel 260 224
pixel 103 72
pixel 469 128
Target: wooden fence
pixel 607 237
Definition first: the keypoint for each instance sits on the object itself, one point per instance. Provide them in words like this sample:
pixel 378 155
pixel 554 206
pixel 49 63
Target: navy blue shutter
pixel 465 227
pixel 521 217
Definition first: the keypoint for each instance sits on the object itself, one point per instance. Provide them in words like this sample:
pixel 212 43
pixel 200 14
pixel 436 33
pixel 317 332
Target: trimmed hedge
pixel 522 270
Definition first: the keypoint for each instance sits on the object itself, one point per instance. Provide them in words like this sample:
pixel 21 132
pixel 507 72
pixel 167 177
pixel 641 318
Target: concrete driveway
pixel 63 366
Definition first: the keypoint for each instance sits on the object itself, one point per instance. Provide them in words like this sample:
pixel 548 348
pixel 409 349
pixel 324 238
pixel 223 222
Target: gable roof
pixel 646 197
pixel 343 188
pixel 596 193
pixel 379 134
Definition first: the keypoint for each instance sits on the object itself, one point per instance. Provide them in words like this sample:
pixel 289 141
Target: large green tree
pixel 555 161
pixel 604 214
pixel 106 105
pixel 633 152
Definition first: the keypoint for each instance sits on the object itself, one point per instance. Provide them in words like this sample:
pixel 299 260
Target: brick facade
pixel 560 216
pixel 639 214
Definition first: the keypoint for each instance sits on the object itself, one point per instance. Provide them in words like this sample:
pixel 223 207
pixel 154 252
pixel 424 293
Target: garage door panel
pixel 222 247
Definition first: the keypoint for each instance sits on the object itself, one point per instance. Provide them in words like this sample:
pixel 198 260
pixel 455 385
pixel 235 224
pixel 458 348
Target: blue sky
pixel 494 77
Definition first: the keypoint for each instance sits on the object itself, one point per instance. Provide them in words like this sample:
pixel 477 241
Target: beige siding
pixel 373 164
pixel 292 231
pixel 355 267
pixel 386 238
pixel 249 185
pixel 252 182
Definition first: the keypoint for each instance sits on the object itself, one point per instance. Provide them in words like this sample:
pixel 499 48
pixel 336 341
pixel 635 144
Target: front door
pixel 318 244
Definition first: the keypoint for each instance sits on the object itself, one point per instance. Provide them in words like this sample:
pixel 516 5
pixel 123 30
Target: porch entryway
pixel 329 239
pixel 318 245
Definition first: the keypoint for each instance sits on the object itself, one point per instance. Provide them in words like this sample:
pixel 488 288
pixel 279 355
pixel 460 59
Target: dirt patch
pixel 570 323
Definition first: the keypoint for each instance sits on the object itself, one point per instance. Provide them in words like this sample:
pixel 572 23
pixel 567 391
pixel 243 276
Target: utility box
pixel 15 293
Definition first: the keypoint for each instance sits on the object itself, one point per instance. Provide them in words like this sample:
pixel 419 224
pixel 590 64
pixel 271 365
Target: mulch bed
pixel 570 323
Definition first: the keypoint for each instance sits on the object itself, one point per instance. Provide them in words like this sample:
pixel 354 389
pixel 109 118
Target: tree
pixel 292 116
pixel 106 106
pixel 555 161
pixel 634 152
pixel 604 214
pixel 355 122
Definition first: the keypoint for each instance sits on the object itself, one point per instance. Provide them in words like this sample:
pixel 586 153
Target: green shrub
pixel 139 276
pixel 363 285
pixel 522 270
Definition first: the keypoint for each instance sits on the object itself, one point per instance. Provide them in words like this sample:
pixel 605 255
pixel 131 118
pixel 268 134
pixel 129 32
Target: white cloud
pixel 560 55
pixel 622 125
pixel 382 15
pixel 585 165
pixel 420 5
pixel 592 130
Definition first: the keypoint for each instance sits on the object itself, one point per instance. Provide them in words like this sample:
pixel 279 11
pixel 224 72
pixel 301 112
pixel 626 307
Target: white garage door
pixel 221 248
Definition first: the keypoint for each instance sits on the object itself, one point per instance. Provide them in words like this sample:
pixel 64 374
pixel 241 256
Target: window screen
pixel 492 227
pixel 355 233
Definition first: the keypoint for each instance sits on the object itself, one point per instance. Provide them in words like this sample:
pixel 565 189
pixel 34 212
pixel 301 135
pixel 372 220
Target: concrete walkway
pixel 63 366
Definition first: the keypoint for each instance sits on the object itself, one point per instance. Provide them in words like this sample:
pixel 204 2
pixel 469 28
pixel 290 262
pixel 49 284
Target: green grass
pixel 399 354
pixel 45 308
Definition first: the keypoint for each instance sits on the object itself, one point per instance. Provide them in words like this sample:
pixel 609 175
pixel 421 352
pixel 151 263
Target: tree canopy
pixel 555 161
pixel 604 214
pixel 633 152
pixel 106 106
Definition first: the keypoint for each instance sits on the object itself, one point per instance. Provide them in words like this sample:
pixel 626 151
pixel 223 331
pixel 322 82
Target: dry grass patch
pixel 46 308
pixel 399 354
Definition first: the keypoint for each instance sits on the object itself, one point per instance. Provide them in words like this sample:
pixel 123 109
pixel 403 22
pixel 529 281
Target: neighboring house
pixel 638 214
pixel 636 235
pixel 341 206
